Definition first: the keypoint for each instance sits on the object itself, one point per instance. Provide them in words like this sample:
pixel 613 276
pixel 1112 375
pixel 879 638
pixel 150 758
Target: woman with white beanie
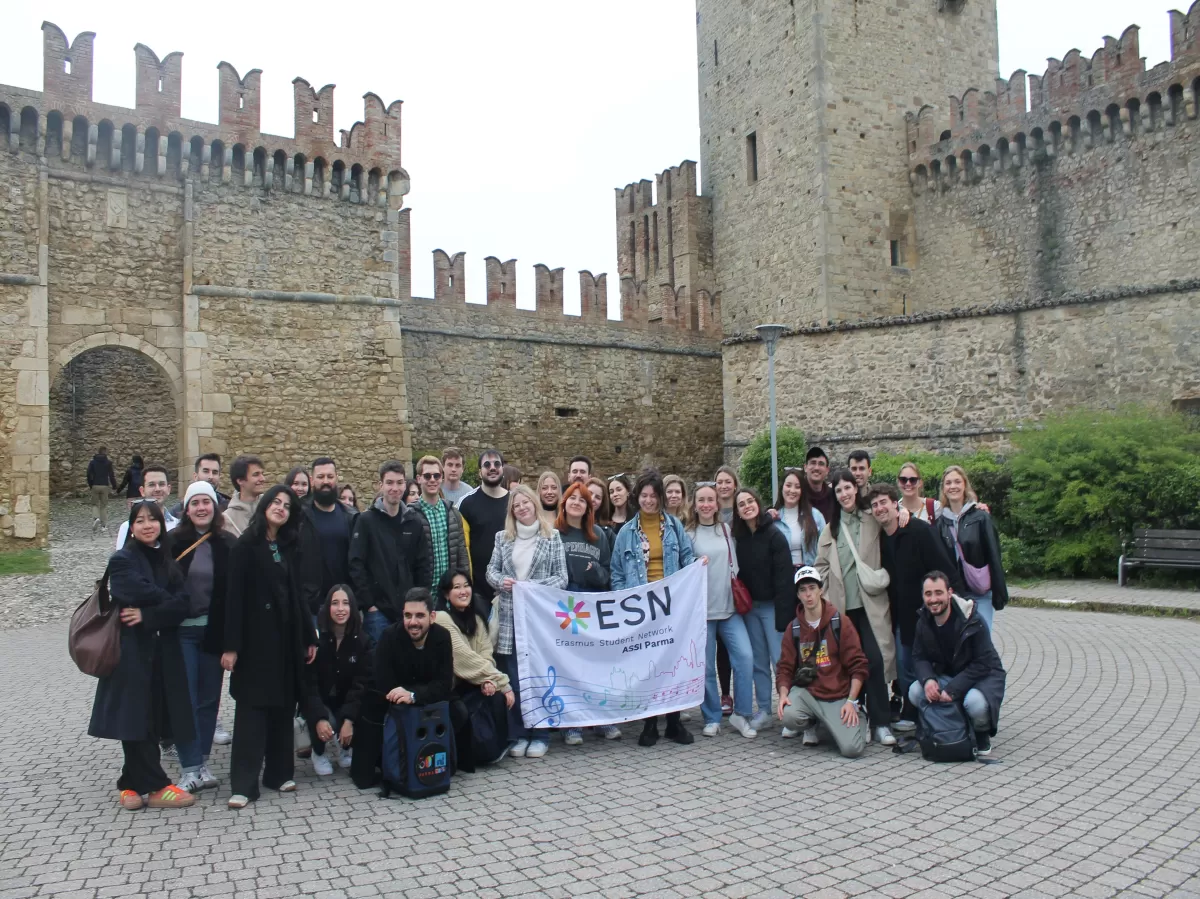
pixel 201 549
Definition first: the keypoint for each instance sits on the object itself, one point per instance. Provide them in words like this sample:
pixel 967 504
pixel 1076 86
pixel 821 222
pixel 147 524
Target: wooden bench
pixel 1159 549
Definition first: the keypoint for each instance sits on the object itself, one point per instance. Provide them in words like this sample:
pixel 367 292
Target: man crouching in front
pixel 821 672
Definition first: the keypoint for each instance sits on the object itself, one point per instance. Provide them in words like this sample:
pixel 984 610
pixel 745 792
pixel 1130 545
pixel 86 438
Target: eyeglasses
pixel 492 465
pixel 431 476
pixel 904 480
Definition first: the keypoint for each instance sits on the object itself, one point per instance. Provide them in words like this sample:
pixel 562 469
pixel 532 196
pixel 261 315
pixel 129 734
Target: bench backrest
pixel 1167 545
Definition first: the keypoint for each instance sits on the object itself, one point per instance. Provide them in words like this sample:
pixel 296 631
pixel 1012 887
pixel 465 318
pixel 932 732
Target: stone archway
pixel 114 395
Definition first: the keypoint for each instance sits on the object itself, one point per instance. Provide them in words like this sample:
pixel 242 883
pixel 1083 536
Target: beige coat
pixel 879 611
pixel 238 514
pixel 473 659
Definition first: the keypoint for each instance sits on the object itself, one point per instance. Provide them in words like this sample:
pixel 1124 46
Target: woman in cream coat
pixel 848 560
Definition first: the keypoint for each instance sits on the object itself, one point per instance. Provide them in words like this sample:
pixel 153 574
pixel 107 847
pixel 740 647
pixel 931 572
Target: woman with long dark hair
pixel 201 548
pixel 848 545
pixel 146 697
pixel 131 483
pixel 800 522
pixel 652 546
pixel 343 667
pixel 297 479
pixel 269 640
pixel 479 685
pixel 765 567
pixel 623 506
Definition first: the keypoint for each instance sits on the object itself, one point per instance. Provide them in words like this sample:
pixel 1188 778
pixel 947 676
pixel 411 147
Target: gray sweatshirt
pixel 710 541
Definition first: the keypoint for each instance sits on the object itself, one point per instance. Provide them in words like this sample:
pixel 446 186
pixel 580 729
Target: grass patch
pixel 25 561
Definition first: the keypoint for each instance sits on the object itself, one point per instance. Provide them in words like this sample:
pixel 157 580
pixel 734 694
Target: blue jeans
pixel 205 679
pixel 765 642
pixel 741 659
pixel 374 623
pixel 974 704
pixel 983 605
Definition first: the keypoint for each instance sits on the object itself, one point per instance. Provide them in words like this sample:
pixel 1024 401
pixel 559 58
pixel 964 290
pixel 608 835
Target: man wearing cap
pixel 821 671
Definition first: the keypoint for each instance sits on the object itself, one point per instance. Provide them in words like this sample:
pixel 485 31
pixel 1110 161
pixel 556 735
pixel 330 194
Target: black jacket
pixel 146 697
pixel 388 557
pixel 221 543
pixel 319 576
pixel 132 482
pixel 269 628
pixel 908 555
pixel 765 567
pixel 344 673
pixel 976 664
pixel 981 546
pixel 100 472
pixel 427 672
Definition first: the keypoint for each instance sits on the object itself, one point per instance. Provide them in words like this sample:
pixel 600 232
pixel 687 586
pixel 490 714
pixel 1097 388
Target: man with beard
pixel 388 553
pixel 579 469
pixel 444 533
pixel 332 524
pixel 483 514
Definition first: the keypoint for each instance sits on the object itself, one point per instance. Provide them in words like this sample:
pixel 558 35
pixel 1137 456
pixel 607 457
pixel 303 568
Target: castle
pixel 951 253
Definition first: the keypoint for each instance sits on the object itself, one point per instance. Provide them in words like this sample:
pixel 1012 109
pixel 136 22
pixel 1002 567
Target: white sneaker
pixel 612 732
pixel 208 780
pixel 321 764
pixel 288 786
pixel 711 730
pixel 746 729
pixel 190 781
pixel 574 737
pixel 222 737
pixel 536 749
pixel 346 758
pixel 759 721
pixel 811 737
pixel 787 733
pixel 883 736
pixel 518 749
pixel 237 800
pixel 685 716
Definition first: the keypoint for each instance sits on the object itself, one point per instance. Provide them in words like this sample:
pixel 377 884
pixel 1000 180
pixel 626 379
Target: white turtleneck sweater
pixel 523 548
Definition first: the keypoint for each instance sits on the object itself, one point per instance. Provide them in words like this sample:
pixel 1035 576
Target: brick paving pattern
pixel 1096 795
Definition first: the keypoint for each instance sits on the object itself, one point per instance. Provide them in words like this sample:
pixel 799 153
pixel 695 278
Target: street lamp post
pixel 770 336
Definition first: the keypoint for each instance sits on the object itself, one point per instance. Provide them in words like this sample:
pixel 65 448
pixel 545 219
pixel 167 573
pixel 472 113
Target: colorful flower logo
pixel 572 615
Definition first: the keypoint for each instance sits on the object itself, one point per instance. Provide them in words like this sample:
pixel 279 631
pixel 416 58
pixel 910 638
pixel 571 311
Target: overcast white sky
pixel 520 117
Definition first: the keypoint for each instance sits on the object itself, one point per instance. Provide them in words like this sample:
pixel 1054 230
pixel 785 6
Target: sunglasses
pixel 906 480
pixel 492 465
pixel 613 477
pixel 706 483
pixel 431 476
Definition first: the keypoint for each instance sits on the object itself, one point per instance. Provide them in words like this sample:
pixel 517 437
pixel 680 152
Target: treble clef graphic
pixel 551 702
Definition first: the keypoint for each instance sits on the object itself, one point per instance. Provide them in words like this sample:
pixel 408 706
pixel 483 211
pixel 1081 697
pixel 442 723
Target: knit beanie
pixel 199 488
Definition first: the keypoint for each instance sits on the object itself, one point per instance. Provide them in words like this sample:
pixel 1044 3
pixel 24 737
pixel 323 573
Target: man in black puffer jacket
pixel 389 554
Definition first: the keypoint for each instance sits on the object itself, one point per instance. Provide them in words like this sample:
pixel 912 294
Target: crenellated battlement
pixel 63 121
pixel 1078 103
pixel 664 252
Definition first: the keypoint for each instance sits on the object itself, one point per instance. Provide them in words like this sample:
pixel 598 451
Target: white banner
pixel 603 658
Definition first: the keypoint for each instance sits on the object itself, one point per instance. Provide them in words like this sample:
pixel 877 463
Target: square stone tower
pixel 802 106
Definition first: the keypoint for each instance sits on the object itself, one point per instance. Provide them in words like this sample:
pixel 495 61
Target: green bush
pixel 755 470
pixel 470 464
pixel 1081 483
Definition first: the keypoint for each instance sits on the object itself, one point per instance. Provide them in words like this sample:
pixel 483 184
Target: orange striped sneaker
pixel 131 799
pixel 171 797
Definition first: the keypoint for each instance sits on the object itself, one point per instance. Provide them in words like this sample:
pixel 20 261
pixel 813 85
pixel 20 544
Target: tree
pixel 755 469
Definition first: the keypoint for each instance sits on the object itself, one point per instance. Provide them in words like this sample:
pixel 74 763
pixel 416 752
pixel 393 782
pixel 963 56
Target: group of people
pixel 849 591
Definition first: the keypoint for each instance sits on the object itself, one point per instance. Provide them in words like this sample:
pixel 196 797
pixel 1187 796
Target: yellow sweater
pixel 652 530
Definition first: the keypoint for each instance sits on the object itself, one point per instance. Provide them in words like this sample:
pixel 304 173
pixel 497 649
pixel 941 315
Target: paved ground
pixel 1096 794
pixel 1108 593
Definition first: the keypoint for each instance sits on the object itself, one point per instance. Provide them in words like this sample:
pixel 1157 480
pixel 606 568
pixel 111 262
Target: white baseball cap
pixel 806 573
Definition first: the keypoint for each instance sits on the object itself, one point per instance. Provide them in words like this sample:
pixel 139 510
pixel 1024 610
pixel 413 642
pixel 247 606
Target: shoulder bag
pixel 742 600
pixel 94 637
pixel 182 555
pixel 872 580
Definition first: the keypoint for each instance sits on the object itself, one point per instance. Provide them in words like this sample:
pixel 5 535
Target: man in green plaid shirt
pixel 443 524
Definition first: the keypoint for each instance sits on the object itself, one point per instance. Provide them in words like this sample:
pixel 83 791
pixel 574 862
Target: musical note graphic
pixel 552 702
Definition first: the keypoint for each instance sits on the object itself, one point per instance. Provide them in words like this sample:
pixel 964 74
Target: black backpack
pixel 945 733
pixel 835 625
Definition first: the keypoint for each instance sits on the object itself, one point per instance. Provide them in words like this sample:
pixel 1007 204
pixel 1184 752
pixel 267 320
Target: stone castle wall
pixel 953 381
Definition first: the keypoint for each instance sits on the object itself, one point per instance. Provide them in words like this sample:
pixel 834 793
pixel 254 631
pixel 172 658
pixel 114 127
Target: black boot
pixel 649 735
pixel 677 732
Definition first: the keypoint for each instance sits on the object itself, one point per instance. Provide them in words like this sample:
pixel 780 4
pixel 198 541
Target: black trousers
pixel 261 734
pixel 879 709
pixel 673 722
pixel 143 771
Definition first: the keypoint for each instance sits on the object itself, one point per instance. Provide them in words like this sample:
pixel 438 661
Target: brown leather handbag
pixel 94 637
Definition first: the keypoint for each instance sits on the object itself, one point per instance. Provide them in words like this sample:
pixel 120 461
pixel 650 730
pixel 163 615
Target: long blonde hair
pixel 545 528
pixel 968 490
pixel 685 510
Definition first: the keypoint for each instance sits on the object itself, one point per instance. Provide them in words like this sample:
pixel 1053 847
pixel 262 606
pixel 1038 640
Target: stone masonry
pixel 265 281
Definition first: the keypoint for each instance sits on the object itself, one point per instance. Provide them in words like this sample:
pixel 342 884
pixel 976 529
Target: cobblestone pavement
pixel 1095 794
pixel 1108 593
pixel 77 559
